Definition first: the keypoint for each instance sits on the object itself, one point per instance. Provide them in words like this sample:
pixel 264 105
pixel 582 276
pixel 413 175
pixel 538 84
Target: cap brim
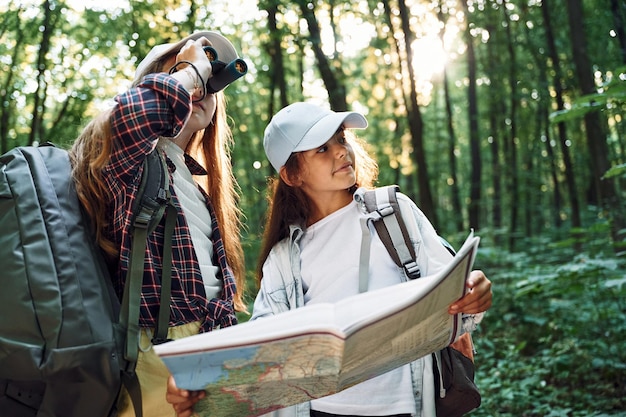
pixel 326 127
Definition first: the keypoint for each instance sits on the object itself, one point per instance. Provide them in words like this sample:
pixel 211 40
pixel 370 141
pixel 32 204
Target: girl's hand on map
pixel 478 297
pixel 181 399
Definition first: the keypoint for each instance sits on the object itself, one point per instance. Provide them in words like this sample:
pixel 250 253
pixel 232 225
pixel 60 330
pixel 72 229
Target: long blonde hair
pixel 289 205
pixel 211 147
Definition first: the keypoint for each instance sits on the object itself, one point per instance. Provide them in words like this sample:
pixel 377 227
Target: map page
pixel 317 350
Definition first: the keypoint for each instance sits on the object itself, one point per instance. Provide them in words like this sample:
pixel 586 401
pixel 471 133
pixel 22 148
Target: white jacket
pixel 281 287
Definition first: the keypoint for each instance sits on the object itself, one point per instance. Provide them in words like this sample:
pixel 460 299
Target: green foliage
pixel 553 344
pixel 613 93
pixel 616 171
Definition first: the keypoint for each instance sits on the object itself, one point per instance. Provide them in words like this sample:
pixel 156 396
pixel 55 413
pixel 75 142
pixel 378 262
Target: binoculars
pixel 223 73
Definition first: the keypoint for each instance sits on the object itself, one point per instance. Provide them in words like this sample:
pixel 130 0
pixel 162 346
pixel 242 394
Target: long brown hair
pixel 211 147
pixel 289 205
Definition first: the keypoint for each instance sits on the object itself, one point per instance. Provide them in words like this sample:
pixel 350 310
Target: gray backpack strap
pixel 364 258
pixel 152 203
pixel 391 228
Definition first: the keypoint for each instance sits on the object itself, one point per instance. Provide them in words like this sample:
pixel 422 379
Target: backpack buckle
pixel 385 211
pixel 143 218
pixel 163 195
pixel 412 270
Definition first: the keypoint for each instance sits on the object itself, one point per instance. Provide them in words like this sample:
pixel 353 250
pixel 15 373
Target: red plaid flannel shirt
pixel 159 106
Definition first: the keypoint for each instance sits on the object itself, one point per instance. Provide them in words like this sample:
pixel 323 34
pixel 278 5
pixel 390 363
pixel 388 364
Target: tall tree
pixel 452 140
pixel 332 76
pixel 416 123
pixel 495 103
pixel 277 80
pixel 472 113
pixel 48 25
pixel 557 84
pixel 394 93
pixel 7 105
pixel 603 189
pixel 512 158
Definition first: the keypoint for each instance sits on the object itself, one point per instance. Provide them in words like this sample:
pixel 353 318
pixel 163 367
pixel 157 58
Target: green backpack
pixel 67 344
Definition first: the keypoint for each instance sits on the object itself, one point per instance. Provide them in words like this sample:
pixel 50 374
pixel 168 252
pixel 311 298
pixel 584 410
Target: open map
pixel 267 364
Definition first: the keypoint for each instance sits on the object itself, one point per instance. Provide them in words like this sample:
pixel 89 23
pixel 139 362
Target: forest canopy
pixel 503 116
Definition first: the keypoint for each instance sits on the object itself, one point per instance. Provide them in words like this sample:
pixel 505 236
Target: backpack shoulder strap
pixel 153 193
pixel 153 201
pixel 391 227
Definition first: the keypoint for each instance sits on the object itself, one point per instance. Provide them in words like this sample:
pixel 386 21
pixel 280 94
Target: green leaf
pixel 617 170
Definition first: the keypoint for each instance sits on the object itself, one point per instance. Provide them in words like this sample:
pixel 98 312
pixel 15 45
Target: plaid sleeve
pixel 158 106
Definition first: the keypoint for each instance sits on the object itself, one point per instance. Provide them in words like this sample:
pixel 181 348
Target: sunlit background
pixel 432 50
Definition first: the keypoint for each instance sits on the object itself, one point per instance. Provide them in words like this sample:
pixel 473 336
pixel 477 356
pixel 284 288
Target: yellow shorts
pixel 153 376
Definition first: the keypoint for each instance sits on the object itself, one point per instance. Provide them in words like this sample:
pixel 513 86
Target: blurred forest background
pixel 505 116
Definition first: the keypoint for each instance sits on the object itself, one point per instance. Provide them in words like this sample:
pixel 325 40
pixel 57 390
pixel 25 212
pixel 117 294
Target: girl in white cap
pixel 170 107
pixel 311 253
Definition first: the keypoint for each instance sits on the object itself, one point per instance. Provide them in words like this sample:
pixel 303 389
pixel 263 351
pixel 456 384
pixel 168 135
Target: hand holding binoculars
pixel 223 73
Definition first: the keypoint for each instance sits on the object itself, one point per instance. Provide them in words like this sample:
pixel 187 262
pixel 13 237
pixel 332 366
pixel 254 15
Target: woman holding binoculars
pixel 175 105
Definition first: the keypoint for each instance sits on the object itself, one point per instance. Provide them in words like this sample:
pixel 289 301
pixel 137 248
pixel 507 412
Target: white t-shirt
pixel 330 255
pixel 197 215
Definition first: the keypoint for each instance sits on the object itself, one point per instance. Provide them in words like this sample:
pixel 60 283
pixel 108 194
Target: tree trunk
pixel 512 163
pixel 536 216
pixel 406 182
pixel 273 47
pixel 333 78
pixel 452 141
pixel 495 106
pixel 416 124
pixel 595 126
pixel 7 104
pixel 454 186
pixel 40 91
pixel 474 138
pixel 277 83
pixel 562 129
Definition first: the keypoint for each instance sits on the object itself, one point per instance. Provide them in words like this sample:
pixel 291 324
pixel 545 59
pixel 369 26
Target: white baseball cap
pixel 225 50
pixel 302 127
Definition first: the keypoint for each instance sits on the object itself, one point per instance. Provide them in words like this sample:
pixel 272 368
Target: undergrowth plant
pixel 554 341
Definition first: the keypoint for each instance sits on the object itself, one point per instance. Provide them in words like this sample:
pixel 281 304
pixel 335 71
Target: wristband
pixel 174 69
